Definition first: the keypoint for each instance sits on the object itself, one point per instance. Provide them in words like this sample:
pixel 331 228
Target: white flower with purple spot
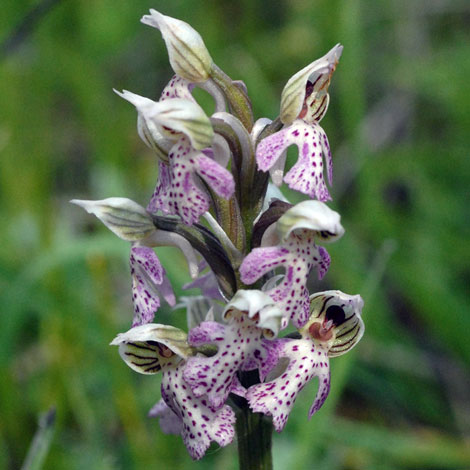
pixel 185 195
pixel 154 348
pixel 131 222
pixel 180 189
pixel 297 253
pixel 303 104
pixel 335 326
pixel 216 167
pixel 251 315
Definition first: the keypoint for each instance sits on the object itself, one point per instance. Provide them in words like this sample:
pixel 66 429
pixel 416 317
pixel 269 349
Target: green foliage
pixel 398 124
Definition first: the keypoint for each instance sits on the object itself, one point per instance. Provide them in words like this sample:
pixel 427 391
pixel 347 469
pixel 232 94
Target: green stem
pixel 254 434
pixel 238 100
pixel 254 431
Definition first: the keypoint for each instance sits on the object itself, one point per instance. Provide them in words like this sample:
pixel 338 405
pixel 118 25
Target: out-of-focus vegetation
pixel 398 124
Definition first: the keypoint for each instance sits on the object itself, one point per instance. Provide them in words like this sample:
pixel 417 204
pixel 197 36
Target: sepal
pixel 171 117
pixel 294 93
pixel 335 321
pixel 311 215
pixel 147 348
pixel 260 309
pixel 124 217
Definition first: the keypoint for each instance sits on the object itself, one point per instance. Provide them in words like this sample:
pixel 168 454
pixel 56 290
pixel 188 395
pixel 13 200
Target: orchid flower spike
pixel 304 102
pixel 131 222
pixel 297 252
pixel 153 348
pixel 335 326
pixel 211 201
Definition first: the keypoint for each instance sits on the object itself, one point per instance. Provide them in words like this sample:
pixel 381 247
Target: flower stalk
pixel 234 372
pixel 254 438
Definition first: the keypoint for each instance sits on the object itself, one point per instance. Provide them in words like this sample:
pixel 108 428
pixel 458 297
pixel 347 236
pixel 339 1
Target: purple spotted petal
pixel 262 260
pixel 216 176
pixel 201 422
pixel 205 333
pixel 298 255
pixel 148 281
pixel 324 262
pixel 266 359
pixel 306 175
pixel 169 422
pixel 185 198
pixel 159 199
pixel 238 343
pixel 178 87
pixel 325 146
pixel 276 398
pixel 179 193
pixel 208 285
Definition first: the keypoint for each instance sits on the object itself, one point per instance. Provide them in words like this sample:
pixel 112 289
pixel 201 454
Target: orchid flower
pixel 304 102
pixel 334 327
pixel 153 348
pixel 131 222
pixel 298 254
pixel 251 315
pixel 180 120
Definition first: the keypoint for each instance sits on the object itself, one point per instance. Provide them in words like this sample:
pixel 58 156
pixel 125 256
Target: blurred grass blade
pixel 420 448
pixel 41 442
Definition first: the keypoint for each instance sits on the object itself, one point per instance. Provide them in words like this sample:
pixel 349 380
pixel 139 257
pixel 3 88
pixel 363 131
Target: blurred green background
pixel 398 124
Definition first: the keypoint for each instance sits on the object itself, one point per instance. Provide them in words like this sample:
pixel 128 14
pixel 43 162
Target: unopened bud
pixel 187 52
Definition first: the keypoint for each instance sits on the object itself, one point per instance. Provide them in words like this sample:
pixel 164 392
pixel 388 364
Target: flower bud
pixel 319 74
pixel 127 219
pixel 187 52
pixel 311 215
